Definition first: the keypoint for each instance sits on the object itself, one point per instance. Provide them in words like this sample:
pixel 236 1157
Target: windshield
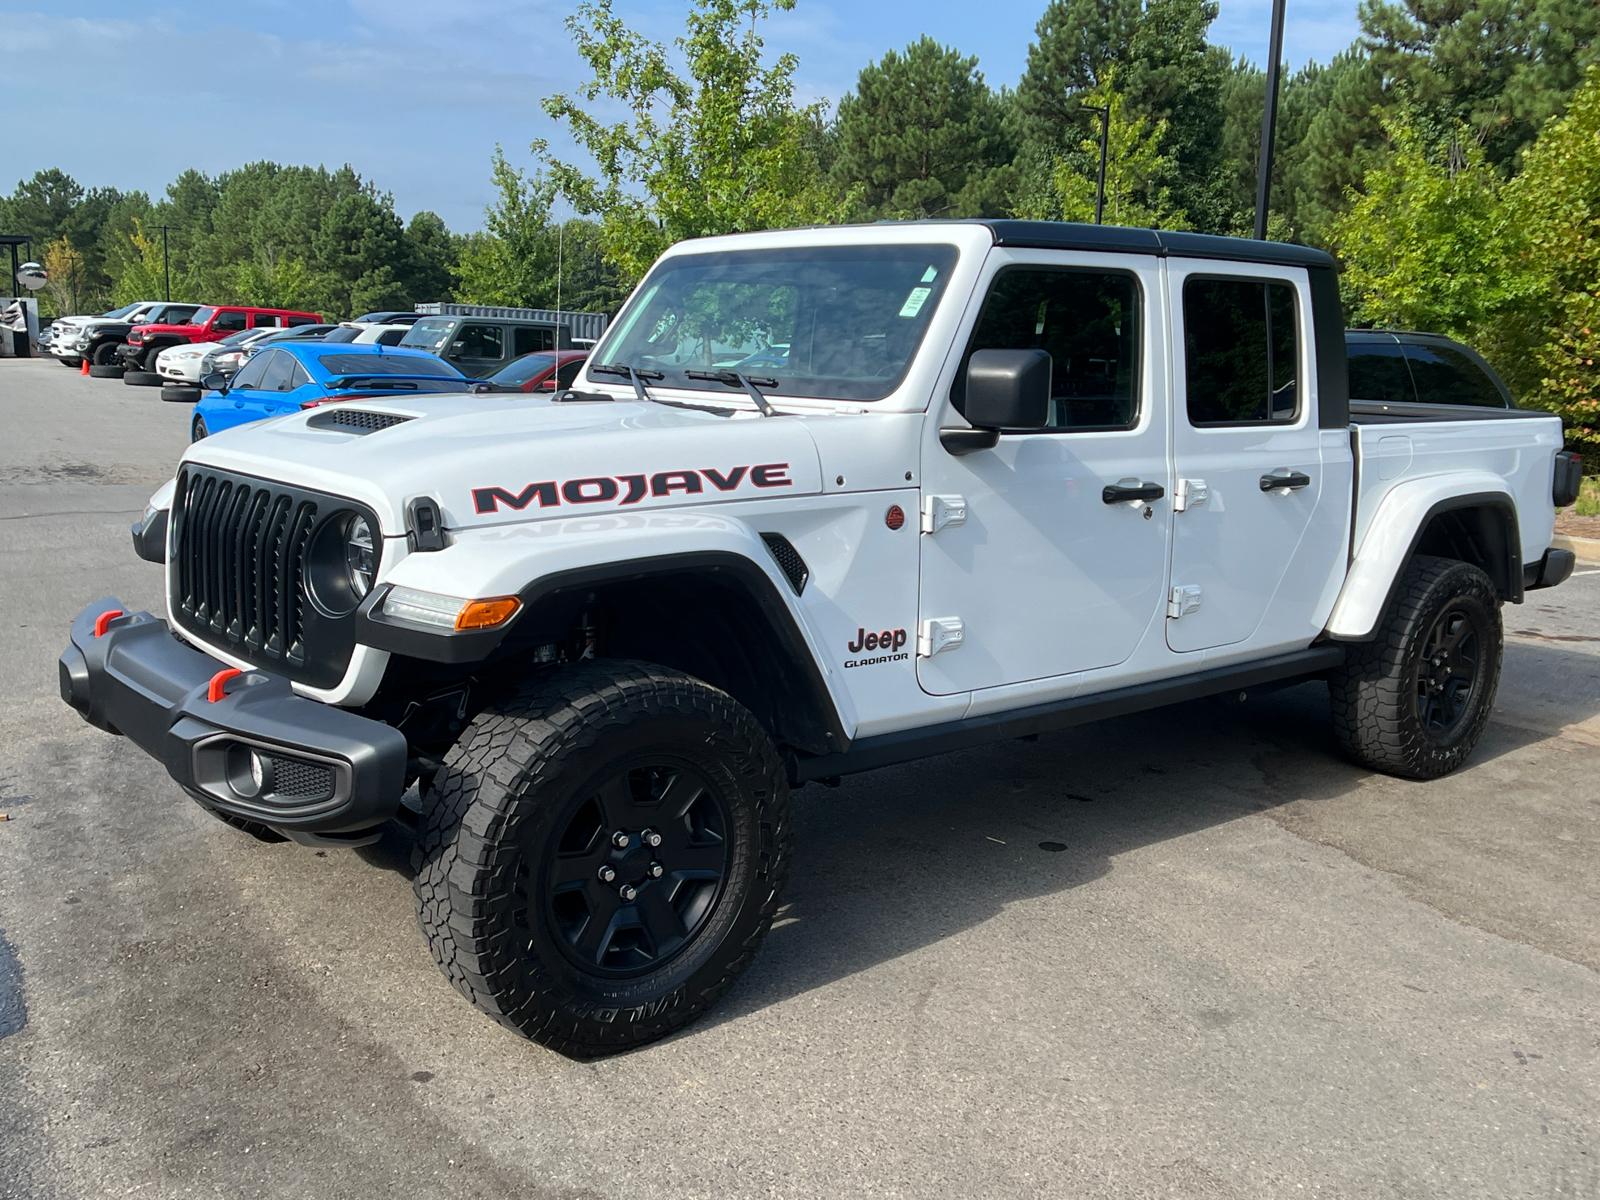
pixel 124 310
pixel 429 334
pixel 335 363
pixel 836 322
pixel 529 366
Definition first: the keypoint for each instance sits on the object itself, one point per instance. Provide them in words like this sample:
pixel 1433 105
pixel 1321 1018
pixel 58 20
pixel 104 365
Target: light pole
pixel 1105 136
pixel 1269 122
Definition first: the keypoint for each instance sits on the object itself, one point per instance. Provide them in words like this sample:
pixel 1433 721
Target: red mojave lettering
pixel 602 489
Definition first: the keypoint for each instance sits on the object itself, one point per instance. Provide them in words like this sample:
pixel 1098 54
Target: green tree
pixel 433 254
pixel 513 261
pixel 1166 72
pixel 1138 174
pixel 921 136
pixel 721 148
pixel 1501 67
pixel 1556 206
pixel 1430 244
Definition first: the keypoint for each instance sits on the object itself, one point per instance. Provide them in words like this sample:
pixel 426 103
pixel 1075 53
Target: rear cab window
pixel 1378 372
pixel 1241 349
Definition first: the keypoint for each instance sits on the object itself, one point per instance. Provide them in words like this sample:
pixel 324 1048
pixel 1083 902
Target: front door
pixel 1046 555
pixel 1248 461
pixel 479 349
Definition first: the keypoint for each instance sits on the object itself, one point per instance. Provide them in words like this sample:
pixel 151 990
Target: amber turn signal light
pixel 487 614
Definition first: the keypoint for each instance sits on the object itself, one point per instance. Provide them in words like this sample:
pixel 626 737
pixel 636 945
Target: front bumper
pixel 323 770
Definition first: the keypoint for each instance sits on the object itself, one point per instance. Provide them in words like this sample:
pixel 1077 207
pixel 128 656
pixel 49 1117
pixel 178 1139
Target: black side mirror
pixel 215 382
pixel 1009 389
pixel 1006 389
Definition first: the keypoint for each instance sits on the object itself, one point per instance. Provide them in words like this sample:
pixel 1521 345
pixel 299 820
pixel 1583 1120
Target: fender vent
pixel 354 420
pixel 788 560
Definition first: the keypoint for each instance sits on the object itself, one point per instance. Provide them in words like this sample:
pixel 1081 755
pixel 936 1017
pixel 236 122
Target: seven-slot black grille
pixel 238 573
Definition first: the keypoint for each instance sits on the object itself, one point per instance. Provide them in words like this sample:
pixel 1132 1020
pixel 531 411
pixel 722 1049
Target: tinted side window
pixel 229 322
pixel 568 373
pixel 297 321
pixel 1378 372
pixel 479 341
pixel 531 341
pixel 278 372
pixel 391 337
pixel 251 373
pixel 1088 321
pixel 1446 376
pixel 1241 342
pixel 266 321
pixel 298 377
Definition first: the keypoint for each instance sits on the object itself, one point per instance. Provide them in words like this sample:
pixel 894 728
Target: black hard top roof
pixel 1063 235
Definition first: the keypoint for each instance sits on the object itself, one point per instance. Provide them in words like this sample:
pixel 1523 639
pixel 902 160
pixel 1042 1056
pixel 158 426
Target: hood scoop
pixel 354 420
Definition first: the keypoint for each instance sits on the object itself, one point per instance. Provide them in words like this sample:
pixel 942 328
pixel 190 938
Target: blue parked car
pixel 289 377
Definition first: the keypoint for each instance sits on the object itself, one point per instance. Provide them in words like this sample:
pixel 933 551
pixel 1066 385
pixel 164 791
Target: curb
pixel 1587 550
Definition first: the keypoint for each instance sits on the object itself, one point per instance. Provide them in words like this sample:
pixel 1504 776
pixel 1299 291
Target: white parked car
pixel 965 482
pixel 190 363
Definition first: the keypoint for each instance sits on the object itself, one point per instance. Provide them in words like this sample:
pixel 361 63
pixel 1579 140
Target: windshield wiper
pixel 638 377
pixel 750 383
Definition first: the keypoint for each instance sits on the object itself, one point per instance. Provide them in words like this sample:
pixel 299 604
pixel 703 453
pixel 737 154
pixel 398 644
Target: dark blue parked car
pixel 288 377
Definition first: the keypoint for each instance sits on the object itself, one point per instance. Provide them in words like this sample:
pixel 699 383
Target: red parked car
pixel 542 371
pixel 209 324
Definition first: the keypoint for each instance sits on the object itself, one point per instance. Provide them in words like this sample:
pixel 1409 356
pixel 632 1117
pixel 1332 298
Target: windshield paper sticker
pixel 624 490
pixel 915 301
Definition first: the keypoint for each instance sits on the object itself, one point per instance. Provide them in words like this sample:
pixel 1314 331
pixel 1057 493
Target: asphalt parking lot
pixel 1254 970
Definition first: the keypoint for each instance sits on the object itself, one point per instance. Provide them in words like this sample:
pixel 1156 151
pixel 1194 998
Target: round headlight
pixel 360 555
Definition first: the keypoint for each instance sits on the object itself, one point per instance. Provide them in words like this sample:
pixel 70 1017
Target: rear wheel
pixel 601 856
pixel 1414 701
pixel 198 430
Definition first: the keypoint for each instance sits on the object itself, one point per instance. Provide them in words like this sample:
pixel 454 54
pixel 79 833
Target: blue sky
pixel 415 93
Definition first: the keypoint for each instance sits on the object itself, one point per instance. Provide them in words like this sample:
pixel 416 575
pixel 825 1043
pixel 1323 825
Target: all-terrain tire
pixel 141 378
pixel 105 355
pixel 508 893
pixel 180 393
pixel 105 372
pixel 1414 701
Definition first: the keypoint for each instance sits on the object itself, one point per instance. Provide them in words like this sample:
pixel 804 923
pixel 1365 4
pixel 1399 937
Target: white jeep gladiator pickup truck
pixel 823 500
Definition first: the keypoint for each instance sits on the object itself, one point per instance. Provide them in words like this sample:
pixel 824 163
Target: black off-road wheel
pixel 105 355
pixel 602 854
pixel 1414 701
pixel 198 430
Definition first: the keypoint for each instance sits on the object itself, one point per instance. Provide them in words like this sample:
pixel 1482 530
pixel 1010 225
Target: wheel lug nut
pixel 619 839
pixel 651 837
pixel 657 870
pixel 627 891
pixel 607 873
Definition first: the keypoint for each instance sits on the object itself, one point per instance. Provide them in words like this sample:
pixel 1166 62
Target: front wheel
pixel 198 429
pixel 601 855
pixel 105 355
pixel 1414 701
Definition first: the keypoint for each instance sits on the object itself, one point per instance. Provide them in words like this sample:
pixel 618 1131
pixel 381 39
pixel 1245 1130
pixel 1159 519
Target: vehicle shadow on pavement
pixel 895 860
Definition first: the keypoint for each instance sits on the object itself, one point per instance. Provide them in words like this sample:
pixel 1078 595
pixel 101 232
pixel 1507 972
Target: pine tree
pixel 920 137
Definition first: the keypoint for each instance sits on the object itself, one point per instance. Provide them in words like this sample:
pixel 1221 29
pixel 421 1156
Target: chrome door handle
pixel 1288 481
pixel 1120 493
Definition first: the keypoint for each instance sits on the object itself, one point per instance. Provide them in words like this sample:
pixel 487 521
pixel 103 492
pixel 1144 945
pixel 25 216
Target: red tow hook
pixel 104 620
pixel 219 683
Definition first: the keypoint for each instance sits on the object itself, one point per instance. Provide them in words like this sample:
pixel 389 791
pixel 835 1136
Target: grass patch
pixel 1588 504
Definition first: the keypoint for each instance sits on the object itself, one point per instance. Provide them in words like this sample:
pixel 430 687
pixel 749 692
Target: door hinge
pixel 939 633
pixel 1188 493
pixel 1184 600
pixel 940 512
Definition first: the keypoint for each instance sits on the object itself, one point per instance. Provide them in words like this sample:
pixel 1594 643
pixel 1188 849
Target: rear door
pixel 1026 553
pixel 478 348
pixel 1248 460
